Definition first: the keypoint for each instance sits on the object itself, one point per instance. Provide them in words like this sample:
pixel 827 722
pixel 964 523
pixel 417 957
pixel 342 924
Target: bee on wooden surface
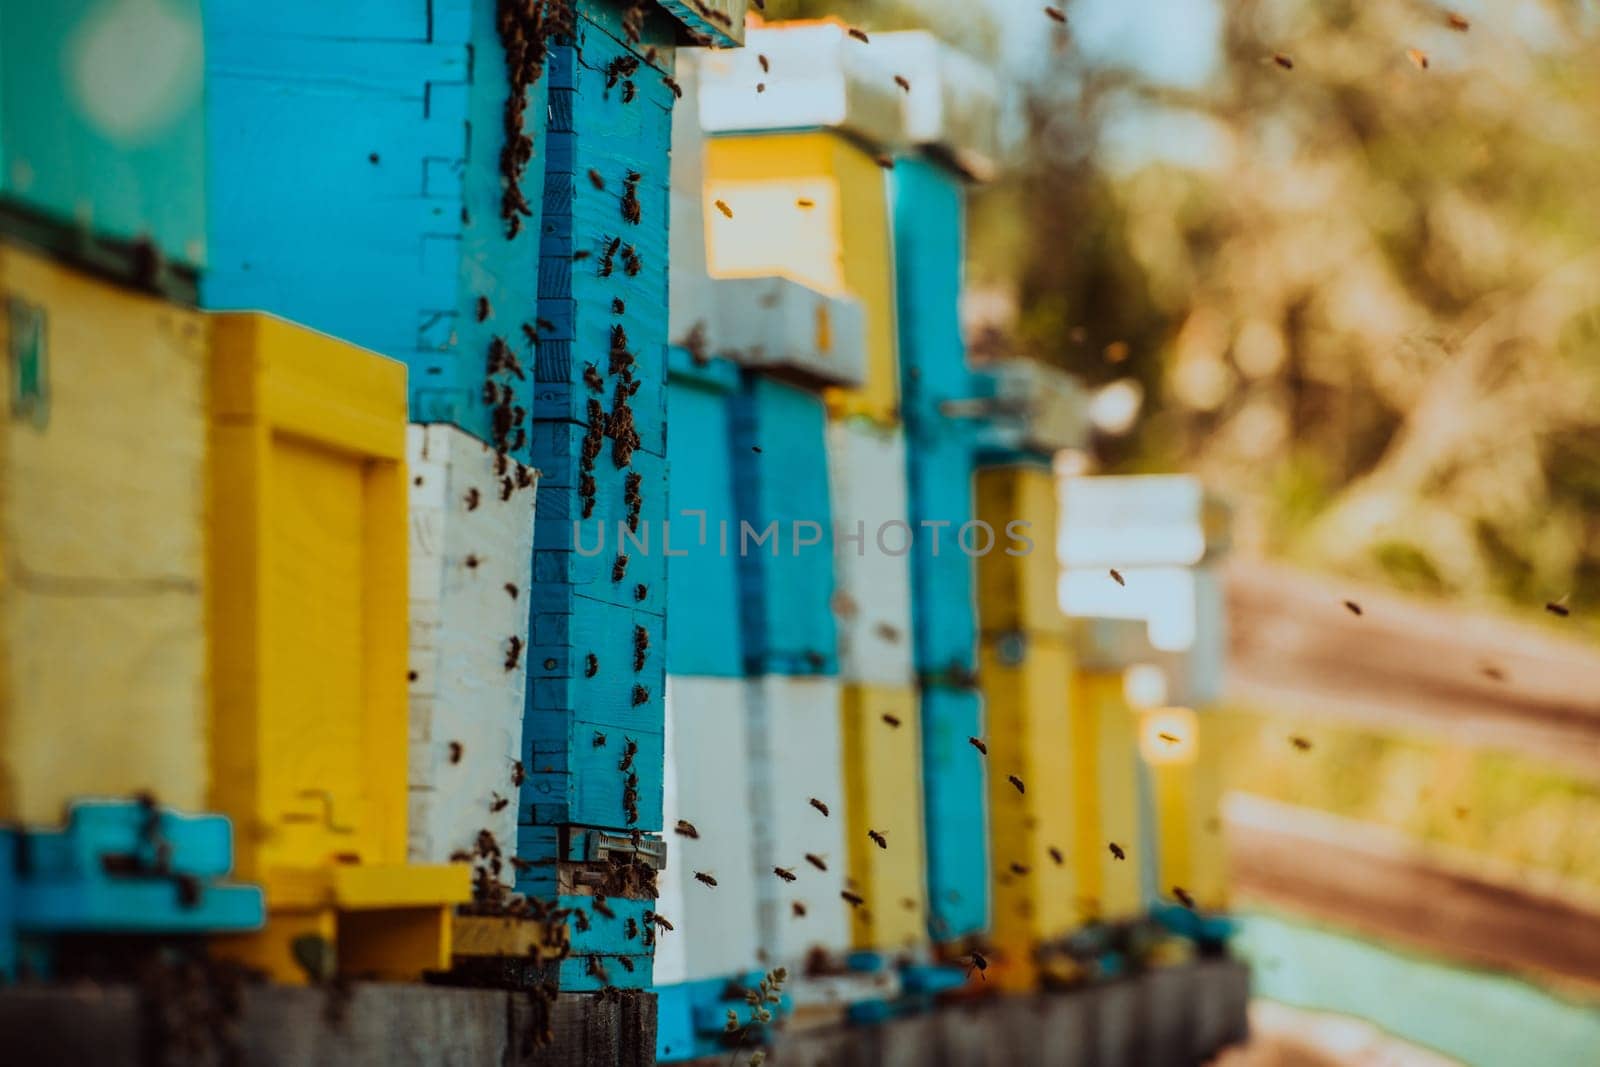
pixel 513 652
pixel 1116 851
pixel 1014 780
pixel 1055 856
pixel 1056 14
pixel 641 695
pixel 599 739
pixel 1183 897
pixel 580 920
pixel 979 745
pixel 507 487
pixel 1301 743
pixel 456 749
pixel 630 204
pixel 878 839
pixel 629 749
pixel 630 928
pixel 1558 609
pixel 518 775
pixel 1283 61
pixel 819 805
pixel 472 498
pixel 1457 22
pixel 685 828
pixel 1418 57
pixel 641 647
pixel 511 590
pixel 531 335
pixel 677 90
pixel 1116 576
pixel 852 899
pixel 785 873
pixel 631 263
pixel 608 259
pixel 641 591
pixel 591 667
pixel 798 909
pixel 499 802
pixel 860 35
pixel 902 82
pixel 627 964
pixel 756 449
pixel 581 254
pixel 617 306
pixel 892 720
pixel 816 861
pixel 705 879
pixel 619 568
pixel 629 91
pixel 598 902
pixel 483 308
pixel 722 206
pixel 596 179
pixel 1019 869
pixel 980 963
pixel 598 970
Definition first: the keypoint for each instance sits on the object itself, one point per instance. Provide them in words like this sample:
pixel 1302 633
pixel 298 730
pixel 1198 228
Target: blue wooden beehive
pixel 356 186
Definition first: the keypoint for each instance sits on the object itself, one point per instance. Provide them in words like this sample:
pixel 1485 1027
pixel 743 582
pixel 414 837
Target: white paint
pixel 779 324
pixel 461 620
pixel 707 783
pixel 867 481
pixel 819 77
pixel 796 753
pixel 952 102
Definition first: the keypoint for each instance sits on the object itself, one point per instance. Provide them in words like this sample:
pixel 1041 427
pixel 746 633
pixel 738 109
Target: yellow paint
pixel 102 561
pixel 1105 749
pixel 841 246
pixel 1169 735
pixel 308 607
pixel 1018 592
pixel 1030 735
pixel 883 792
pixel 1188 803
pixel 495 935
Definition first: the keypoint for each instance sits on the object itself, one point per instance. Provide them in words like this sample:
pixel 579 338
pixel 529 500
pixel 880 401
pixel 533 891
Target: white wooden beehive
pixel 467 552
pixel 796 752
pixel 872 602
pixel 707 784
pixel 952 105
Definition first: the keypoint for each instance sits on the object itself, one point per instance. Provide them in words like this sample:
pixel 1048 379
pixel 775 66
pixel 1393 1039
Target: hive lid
pixel 952 105
pixel 1141 520
pixel 818 77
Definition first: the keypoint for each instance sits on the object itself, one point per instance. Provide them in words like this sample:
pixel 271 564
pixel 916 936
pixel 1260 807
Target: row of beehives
pixel 886 745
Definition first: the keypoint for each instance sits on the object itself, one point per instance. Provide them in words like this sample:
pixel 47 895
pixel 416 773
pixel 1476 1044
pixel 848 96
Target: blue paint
pixel 928 207
pixel 781 476
pixel 68 79
pixel 354 187
pixel 57 882
pixel 703 583
pixel 692 1017
pixel 954 804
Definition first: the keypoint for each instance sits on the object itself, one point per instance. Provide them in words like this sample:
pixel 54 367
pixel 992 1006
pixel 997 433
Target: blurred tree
pixel 1371 310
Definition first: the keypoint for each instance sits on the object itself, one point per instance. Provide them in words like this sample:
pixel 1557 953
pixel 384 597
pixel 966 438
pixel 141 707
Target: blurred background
pixel 1340 260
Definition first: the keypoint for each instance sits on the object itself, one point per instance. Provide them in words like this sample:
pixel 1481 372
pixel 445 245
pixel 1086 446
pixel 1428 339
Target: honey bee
pixel 798 909
pixel 513 652
pixel 598 970
pixel 1170 739
pixel 483 308
pixel 805 203
pixel 766 67
pixel 860 35
pixel 1056 14
pixel 598 902
pixel 902 82
pixel 641 591
pixel 892 720
pixel 629 91
pixel 885 161
pixel 629 750
pixel 591 667
pixel 1493 673
pixel 979 745
pixel 599 739
pixel 888 632
pixel 819 805
pixel 816 861
pixel 581 254
pixel 1418 58
pixel 1457 22
pixel 761 87
pixel 518 775
pixel 1116 576
pixel 627 964
pixel 1558 609
pixel 511 590
pixel 677 90
pixel 1183 897
pixel 1283 61
pixel 1116 851
pixel 660 920
pixel 641 695
pixel 456 750
pixel 1019 869
pixel 1301 743
pixel 1352 607
pixel 595 179
pixel 630 929
pixel 617 306
pixel 619 568
pixel 878 839
pixel 722 206
pixel 1056 857
pixel 786 874
pixel 641 646
pixel 472 498
pixel 1014 780
pixel 854 900
pixel 979 962
pixel 705 879
pixel 630 203
pixel 498 803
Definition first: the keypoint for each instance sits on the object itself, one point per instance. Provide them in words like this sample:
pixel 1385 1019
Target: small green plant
pixel 768 991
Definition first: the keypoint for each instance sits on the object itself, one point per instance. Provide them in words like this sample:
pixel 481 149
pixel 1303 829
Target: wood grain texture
pixel 102 546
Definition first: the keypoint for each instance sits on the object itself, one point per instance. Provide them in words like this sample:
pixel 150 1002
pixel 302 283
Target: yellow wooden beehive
pixel 883 794
pixel 102 544
pixel 1185 773
pixel 1018 584
pixel 1106 799
pixel 1026 682
pixel 811 206
pixel 309 604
